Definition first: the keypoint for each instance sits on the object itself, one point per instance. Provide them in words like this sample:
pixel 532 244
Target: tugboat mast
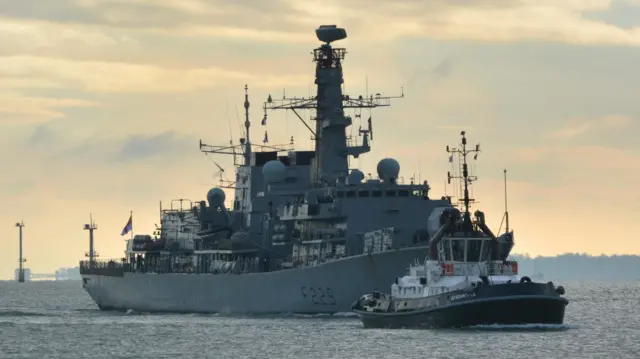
pixel 466 178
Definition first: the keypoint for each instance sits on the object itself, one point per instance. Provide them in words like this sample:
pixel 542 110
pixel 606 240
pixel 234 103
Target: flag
pixel 264 120
pixel 451 158
pixel 266 139
pixel 128 227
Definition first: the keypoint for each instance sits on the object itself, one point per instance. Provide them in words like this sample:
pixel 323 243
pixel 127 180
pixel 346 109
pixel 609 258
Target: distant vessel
pixel 463 282
pixel 68 274
pixel 306 234
pixel 537 275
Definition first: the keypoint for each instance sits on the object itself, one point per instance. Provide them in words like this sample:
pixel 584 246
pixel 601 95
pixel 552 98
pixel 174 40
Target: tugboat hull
pixel 520 309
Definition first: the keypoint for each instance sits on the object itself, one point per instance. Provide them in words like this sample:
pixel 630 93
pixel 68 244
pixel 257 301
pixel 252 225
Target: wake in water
pixel 19 313
pixel 247 315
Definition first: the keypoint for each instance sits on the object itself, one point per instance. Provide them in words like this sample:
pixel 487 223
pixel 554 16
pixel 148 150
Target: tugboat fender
pixel 525 279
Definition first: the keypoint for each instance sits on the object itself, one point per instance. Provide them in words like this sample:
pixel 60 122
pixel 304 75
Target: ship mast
pixel 245 147
pixel 247 124
pixel 92 254
pixel 464 174
pixel 331 149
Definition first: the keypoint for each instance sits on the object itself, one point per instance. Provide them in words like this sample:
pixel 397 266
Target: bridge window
pixel 457 249
pixel 473 250
pixel 351 194
pixel 391 193
pixel 403 193
pixel 340 194
pixel 376 193
pixel 363 194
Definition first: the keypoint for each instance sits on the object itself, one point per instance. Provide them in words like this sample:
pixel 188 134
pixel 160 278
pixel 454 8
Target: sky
pixel 102 105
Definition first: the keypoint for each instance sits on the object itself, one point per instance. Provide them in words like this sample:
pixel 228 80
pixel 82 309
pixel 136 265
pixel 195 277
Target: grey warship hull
pixel 325 288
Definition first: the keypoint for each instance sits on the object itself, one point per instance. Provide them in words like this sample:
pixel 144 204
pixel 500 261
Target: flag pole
pixel 131 216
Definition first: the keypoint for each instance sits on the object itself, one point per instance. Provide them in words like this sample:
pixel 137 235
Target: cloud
pixel 585 157
pixel 192 18
pixel 557 21
pixel 578 128
pixel 18 108
pixel 100 77
pixel 42 135
pixel 144 146
pixel 288 20
pixel 107 150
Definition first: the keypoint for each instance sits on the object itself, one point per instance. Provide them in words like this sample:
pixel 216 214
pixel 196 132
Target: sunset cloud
pixel 577 128
pixel 16 108
pixel 286 20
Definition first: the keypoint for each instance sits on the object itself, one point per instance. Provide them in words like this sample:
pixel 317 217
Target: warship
pixel 305 232
pixel 464 280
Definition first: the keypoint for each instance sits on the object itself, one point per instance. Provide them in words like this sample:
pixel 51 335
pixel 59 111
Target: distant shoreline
pixel 574 266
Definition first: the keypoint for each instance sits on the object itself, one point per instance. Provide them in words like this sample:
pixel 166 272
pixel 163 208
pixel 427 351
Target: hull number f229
pixel 318 295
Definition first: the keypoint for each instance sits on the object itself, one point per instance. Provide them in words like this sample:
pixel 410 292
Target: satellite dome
pixel 216 197
pixel 356 176
pixel 388 169
pixel 274 171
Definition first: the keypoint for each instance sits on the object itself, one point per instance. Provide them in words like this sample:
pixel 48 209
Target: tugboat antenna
pixel 463 152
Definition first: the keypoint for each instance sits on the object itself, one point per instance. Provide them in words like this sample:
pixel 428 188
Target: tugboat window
pixel 473 250
pixel 457 249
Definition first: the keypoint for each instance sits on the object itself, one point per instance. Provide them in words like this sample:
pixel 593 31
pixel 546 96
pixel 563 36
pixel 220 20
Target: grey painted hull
pixel 327 288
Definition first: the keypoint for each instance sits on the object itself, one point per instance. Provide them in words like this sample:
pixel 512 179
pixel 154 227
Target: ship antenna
pixel 506 211
pixel 463 152
pixel 247 124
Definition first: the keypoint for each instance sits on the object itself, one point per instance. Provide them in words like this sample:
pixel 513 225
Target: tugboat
pixel 465 280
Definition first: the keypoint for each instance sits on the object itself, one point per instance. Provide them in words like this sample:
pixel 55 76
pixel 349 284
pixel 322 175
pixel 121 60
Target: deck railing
pixel 118 268
pixel 110 268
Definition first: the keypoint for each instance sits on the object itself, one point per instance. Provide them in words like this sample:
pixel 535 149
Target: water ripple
pixel 58 320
